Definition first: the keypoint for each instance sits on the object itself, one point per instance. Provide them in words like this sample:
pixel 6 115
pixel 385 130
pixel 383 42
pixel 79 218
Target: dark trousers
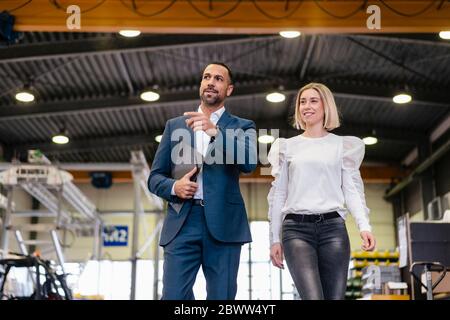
pixel 194 246
pixel 317 255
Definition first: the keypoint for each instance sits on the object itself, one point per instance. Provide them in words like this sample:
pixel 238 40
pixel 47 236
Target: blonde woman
pixel 317 179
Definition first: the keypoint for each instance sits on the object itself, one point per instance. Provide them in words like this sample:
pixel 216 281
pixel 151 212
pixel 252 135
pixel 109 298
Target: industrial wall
pixel 442 176
pixel 412 194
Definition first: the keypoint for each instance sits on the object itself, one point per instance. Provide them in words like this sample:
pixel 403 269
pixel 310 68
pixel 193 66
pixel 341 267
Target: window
pixel 257 278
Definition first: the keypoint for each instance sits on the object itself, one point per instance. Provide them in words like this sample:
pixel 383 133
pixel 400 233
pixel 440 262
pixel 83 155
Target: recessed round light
pixel 129 33
pixel 60 139
pixel 266 139
pixel 370 140
pixel 158 138
pixel 445 34
pixel 24 96
pixel 402 98
pixel 275 97
pixel 290 34
pixel 149 96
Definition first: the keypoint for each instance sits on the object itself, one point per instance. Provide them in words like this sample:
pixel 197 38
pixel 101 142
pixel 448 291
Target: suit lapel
pixel 222 123
pixel 191 133
pixel 195 156
pixel 224 119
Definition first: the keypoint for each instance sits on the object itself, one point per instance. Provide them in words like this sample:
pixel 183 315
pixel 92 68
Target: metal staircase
pixel 68 208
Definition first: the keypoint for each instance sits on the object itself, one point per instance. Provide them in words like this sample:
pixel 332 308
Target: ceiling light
pixel 25 96
pixel 290 34
pixel 149 96
pixel 445 34
pixel 266 139
pixel 158 138
pixel 60 138
pixel 402 98
pixel 275 97
pixel 370 140
pixel 129 33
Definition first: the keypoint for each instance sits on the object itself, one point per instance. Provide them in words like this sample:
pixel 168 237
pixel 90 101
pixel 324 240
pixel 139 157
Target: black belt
pixel 198 202
pixel 312 217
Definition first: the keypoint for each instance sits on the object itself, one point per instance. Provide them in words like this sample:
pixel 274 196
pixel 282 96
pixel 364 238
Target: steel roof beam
pixel 114 44
pixel 345 91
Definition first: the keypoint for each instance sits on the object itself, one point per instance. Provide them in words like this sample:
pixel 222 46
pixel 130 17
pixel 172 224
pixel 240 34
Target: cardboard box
pixel 395 288
pixel 443 286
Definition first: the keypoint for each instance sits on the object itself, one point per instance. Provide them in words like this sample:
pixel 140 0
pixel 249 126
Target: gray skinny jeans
pixel 317 255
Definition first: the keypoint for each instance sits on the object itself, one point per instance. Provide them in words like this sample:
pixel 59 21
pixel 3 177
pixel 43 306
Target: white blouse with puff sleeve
pixel 314 176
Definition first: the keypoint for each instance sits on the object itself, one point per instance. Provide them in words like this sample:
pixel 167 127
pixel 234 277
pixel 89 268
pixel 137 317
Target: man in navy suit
pixel 206 222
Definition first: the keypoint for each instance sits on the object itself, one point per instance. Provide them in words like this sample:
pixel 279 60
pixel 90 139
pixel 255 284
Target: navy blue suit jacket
pixel 225 212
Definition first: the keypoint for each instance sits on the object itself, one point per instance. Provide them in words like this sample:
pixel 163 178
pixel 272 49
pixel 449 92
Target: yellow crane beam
pixel 231 16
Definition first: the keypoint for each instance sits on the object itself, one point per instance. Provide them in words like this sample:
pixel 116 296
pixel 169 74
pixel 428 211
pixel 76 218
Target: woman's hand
pixel 276 255
pixel 369 241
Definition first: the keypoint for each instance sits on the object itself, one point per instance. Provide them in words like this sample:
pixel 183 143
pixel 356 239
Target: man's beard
pixel 213 101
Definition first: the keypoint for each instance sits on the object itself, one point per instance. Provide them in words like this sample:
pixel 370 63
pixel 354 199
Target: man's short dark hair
pixel 225 66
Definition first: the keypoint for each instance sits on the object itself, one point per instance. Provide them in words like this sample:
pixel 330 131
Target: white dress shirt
pixel 314 176
pixel 202 140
